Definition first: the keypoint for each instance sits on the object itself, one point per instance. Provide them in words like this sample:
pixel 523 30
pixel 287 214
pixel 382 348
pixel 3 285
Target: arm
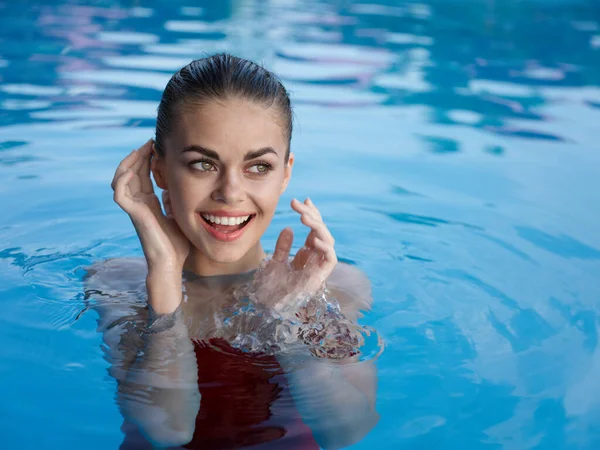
pixel 151 355
pixel 157 378
pixel 337 398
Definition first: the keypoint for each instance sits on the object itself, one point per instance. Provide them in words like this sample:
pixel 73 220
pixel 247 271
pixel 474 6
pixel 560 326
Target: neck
pixel 200 264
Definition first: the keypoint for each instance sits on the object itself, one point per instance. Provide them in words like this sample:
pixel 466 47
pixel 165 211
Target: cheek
pixel 266 193
pixel 184 192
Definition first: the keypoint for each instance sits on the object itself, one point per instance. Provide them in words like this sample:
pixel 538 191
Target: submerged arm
pixel 153 360
pixel 336 398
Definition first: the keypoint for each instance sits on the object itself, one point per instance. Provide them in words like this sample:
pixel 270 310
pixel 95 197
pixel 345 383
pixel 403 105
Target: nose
pixel 230 188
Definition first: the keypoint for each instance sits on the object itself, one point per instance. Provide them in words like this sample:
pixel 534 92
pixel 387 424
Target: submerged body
pixel 222 397
pixel 245 402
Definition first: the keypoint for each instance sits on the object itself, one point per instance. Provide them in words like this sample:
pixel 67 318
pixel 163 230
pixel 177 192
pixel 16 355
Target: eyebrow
pixel 252 154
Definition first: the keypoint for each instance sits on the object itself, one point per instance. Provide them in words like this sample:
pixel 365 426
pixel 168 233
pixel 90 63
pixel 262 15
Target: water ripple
pixel 451 149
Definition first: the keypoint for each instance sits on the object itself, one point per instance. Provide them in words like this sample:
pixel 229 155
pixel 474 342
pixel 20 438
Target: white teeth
pixel 230 221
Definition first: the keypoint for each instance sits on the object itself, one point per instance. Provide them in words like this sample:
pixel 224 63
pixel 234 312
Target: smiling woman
pixel 226 158
pixel 222 158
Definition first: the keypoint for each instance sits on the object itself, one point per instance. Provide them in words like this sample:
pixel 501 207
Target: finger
pixel 301 258
pixel 298 206
pixel 305 206
pixel 283 245
pixel 309 239
pixel 144 167
pixel 121 186
pixel 327 250
pixel 308 202
pixel 125 164
pixel 142 151
pixel 141 181
pixel 318 226
pixel 303 209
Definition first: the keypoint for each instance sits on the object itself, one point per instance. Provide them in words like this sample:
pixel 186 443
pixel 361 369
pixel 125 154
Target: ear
pixel 157 166
pixel 287 172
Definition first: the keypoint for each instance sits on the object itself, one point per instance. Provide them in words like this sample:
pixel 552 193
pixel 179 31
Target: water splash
pixel 306 322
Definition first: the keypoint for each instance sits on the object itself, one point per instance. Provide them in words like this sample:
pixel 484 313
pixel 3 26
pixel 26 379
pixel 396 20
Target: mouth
pixel 226 228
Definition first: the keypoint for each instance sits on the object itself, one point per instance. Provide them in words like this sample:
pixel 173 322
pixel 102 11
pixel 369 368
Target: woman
pixel 222 156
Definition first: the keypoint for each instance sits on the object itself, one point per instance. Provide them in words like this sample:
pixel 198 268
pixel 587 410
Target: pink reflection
pixel 65 63
pixel 91 11
pixel 76 25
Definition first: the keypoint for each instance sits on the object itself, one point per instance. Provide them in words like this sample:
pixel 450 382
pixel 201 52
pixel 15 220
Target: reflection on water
pixel 449 145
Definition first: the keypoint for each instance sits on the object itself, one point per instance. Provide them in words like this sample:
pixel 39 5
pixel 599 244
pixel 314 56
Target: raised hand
pixel 280 282
pixel 317 258
pixel 163 242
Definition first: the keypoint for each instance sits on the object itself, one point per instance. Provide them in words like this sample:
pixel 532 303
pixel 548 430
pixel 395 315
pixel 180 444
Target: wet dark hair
pixel 220 77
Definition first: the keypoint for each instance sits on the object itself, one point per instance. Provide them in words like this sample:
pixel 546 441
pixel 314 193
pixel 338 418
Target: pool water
pixel 452 148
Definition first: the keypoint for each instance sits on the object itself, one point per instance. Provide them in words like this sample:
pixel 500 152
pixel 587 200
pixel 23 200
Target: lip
pixel 226 213
pixel 219 235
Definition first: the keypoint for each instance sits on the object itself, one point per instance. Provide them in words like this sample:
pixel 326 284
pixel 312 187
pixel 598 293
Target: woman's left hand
pixel 279 282
pixel 317 258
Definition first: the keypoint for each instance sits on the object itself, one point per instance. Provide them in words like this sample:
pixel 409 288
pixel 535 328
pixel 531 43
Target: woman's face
pixel 225 169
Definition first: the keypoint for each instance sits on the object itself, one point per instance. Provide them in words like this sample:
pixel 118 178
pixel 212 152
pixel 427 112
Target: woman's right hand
pixel 165 246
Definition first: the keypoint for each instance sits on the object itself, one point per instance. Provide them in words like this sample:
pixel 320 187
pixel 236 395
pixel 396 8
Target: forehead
pixel 230 127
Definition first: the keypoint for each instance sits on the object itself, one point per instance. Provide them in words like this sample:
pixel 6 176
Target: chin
pixel 225 253
pixel 223 256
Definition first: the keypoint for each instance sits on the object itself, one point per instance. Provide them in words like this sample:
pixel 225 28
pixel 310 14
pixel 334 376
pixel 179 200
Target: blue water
pixel 452 148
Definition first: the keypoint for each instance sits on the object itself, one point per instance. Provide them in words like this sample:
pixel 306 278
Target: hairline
pixel 192 102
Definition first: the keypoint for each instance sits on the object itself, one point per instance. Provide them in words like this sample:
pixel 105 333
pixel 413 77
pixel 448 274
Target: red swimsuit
pixel 245 403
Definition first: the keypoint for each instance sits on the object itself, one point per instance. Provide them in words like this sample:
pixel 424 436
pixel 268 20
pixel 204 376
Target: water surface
pixel 451 147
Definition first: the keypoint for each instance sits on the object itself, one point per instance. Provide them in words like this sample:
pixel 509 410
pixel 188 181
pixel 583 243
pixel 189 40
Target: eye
pixel 202 165
pixel 260 168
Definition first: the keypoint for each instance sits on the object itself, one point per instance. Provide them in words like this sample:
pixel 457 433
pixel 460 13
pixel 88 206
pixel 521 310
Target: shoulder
pixel 116 274
pixel 352 288
pixel 116 288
